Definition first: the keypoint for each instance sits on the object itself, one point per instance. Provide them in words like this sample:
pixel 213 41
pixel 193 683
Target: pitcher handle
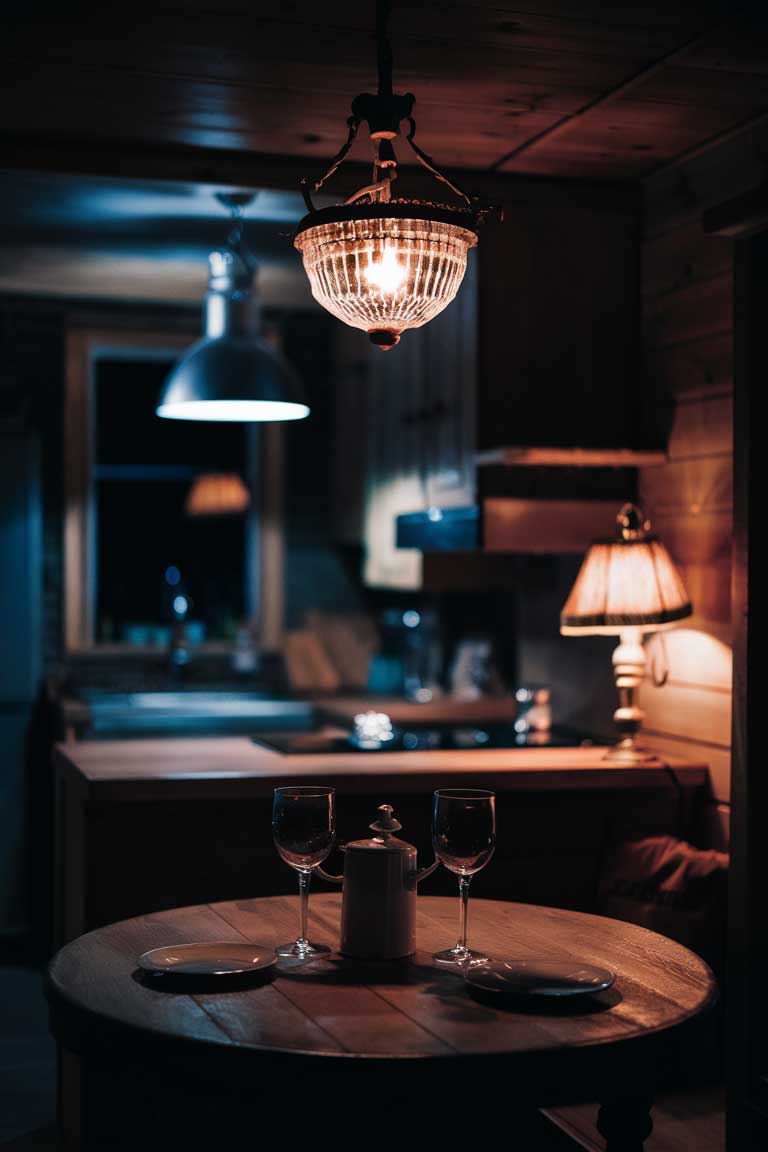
pixel 424 872
pixel 329 877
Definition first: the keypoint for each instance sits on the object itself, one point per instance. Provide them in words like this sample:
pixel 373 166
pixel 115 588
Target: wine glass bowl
pixel 304 832
pixel 304 825
pixel 464 838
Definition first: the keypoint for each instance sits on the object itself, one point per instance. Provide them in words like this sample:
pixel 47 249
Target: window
pixel 135 558
pixel 150 553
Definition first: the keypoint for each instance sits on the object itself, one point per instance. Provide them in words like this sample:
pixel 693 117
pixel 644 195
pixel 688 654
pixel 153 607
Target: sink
pixel 182 713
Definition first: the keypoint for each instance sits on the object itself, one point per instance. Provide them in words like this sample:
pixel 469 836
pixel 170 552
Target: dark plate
pixel 539 978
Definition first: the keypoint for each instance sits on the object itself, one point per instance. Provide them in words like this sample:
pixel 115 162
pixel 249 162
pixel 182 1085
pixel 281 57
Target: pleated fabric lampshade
pixel 629 582
pixel 217 494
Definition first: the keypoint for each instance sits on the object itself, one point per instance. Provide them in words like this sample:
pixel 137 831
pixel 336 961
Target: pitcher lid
pixel 384 840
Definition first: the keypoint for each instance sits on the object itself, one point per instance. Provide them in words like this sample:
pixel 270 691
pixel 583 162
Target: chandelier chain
pixel 429 163
pixel 353 123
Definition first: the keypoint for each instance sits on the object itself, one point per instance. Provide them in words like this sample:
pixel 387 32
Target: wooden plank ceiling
pixel 555 87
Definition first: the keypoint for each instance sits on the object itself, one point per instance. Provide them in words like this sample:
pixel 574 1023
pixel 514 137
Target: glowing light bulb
pixel 387 274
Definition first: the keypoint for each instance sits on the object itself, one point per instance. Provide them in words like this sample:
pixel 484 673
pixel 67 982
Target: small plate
pixel 220 959
pixel 539 978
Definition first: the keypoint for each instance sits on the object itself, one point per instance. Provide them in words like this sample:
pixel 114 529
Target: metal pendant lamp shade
pixel 231 374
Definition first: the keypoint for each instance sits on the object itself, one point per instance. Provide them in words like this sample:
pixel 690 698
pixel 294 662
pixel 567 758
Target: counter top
pixel 158 767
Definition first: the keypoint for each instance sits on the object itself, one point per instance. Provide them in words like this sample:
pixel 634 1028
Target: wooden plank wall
pixel 688 343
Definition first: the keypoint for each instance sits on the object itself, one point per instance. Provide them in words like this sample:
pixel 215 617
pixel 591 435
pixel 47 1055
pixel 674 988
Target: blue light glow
pixel 180 605
pixel 102 200
pixel 172 576
pixel 253 411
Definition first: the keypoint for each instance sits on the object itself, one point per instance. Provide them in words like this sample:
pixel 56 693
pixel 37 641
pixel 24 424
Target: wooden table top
pixel 336 1008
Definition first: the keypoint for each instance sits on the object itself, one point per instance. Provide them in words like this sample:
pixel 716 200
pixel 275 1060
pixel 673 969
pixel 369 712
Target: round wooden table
pixel 359 1034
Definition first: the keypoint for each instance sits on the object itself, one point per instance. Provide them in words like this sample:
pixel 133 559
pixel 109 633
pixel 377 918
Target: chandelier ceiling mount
pixel 378 263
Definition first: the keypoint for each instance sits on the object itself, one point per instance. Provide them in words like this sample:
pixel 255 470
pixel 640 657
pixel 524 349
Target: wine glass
pixel 304 831
pixel 464 837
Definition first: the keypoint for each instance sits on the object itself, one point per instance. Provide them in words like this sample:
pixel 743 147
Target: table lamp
pixel 626 587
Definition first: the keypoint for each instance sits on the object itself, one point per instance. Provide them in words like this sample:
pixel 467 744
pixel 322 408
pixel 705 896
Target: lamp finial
pixel 631 524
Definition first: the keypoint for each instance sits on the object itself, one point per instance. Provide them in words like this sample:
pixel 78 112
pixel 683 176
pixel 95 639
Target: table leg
pixel 625 1122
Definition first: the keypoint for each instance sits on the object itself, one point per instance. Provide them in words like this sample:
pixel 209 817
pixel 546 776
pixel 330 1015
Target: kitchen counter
pixel 144 825
pixel 151 768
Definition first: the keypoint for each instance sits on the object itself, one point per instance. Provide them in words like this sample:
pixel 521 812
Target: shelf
pixel 571 457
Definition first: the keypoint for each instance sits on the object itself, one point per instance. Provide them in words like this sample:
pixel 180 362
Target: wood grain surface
pixel 125 765
pixel 333 1007
pixel 544 88
pixel 688 305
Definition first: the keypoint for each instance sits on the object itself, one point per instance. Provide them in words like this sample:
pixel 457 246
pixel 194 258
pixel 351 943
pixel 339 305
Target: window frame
pixel 264 529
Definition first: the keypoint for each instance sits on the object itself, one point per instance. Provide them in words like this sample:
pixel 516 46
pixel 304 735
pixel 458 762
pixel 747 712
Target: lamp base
pixel 631 755
pixel 629 670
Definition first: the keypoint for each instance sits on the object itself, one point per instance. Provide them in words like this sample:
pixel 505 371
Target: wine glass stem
pixel 305 876
pixel 463 905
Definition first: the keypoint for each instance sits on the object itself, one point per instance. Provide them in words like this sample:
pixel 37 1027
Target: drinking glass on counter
pixel 463 837
pixel 304 831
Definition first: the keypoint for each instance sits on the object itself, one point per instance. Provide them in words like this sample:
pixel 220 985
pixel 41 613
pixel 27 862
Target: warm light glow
pixel 385 274
pixel 233 410
pixel 695 656
pixel 385 564
pixel 217 494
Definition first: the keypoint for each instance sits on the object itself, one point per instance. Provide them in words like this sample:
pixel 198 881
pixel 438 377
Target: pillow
pixel 671 887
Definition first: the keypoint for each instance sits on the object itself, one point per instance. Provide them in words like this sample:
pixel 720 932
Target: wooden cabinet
pixel 559 324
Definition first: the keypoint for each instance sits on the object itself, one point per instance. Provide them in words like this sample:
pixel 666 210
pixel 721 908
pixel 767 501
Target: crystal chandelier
pixel 378 263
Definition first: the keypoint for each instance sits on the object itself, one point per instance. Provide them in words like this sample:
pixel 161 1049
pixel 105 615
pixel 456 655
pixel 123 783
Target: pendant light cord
pixel 236 204
pixel 384 61
pixel 383 47
pixel 384 113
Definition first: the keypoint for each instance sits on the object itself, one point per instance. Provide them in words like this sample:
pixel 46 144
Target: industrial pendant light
pixel 231 374
pixel 377 263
